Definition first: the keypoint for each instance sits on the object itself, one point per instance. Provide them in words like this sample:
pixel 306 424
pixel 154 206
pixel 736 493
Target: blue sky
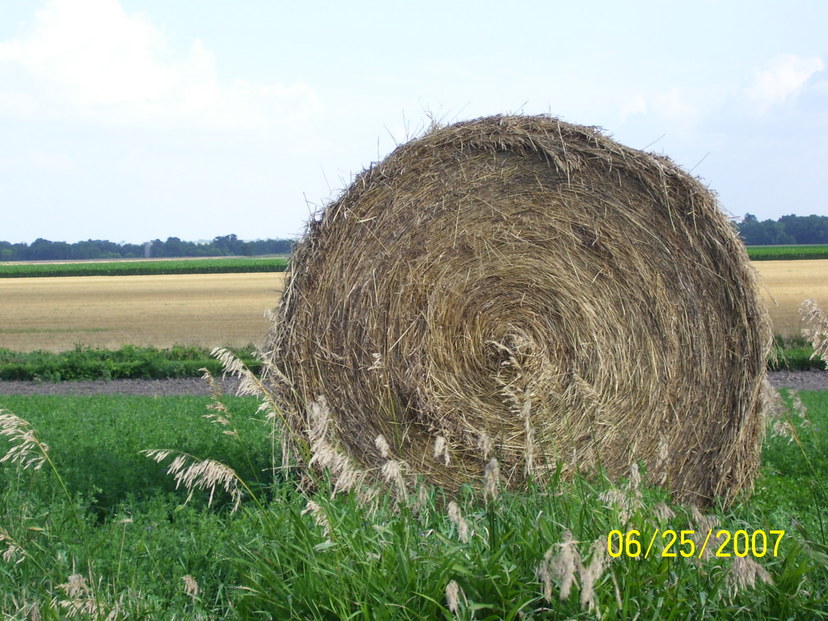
pixel 133 120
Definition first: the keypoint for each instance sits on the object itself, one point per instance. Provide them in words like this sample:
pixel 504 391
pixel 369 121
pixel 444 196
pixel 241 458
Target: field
pixel 57 313
pixel 137 267
pixel 786 284
pixel 54 314
pixel 100 531
pixel 788 253
pixel 275 263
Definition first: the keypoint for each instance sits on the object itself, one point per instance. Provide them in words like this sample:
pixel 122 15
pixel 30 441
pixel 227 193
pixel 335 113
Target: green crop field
pixel 100 530
pixel 220 265
pixel 788 253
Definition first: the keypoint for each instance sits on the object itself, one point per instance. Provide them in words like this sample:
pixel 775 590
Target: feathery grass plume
pixel 456 517
pixel 662 512
pixel 776 413
pixel 382 446
pixel 626 500
pixel 453 596
pixel 485 444
pixel 205 474
pixel 441 451
pixel 590 575
pixel 491 479
pixel 658 473
pixel 13 552
pixel 252 386
pixel 319 516
pixel 816 330
pixel 191 588
pixel 392 472
pixel 215 390
pixel 798 406
pixel 634 485
pixel 222 414
pixel 560 564
pixel 420 503
pixel 529 437
pixel 743 574
pixel 26 448
pixel 703 525
pixel 83 602
pixel 323 451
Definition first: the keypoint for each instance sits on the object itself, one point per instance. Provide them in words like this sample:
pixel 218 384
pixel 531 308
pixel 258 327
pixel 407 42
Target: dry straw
pixel 535 283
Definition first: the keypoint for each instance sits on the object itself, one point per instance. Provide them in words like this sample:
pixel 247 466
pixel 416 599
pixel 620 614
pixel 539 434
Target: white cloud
pixel 90 57
pixel 782 79
pixel 673 105
pixel 636 105
pixel 673 109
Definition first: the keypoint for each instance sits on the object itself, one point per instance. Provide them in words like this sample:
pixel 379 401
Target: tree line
pixel 93 249
pixel 787 230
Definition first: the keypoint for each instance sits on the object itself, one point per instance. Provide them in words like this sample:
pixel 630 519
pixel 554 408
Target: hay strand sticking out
pixel 535 284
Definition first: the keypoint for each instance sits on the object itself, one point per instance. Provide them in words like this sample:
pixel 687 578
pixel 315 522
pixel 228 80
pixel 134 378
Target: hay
pixel 532 286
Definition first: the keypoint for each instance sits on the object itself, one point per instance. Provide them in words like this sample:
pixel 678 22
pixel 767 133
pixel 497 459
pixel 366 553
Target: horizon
pixel 140 119
pixel 204 241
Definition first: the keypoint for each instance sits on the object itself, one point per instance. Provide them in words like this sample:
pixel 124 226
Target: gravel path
pixel 802 380
pixel 153 388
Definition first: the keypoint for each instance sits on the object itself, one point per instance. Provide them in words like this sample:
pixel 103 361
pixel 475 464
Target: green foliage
pixel 96 441
pixel 129 362
pixel 97 249
pixel 789 229
pixel 300 551
pixel 794 354
pixel 135 268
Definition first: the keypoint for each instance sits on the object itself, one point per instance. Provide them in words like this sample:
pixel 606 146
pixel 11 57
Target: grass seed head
pixel 744 574
pixel 456 517
pixel 26 448
pixel 191 588
pixel 453 596
pixel 560 564
pixel 205 474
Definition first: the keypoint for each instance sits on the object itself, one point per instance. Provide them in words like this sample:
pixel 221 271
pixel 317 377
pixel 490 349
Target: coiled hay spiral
pixel 530 290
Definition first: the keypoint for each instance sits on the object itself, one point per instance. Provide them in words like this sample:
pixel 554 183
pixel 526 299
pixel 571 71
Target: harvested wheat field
pixel 55 314
pixel 529 290
pixel 168 309
pixel 784 285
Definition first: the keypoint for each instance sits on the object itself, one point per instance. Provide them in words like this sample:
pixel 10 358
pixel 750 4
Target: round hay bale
pixel 523 288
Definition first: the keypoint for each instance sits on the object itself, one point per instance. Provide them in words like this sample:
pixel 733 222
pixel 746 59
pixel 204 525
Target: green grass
pixel 129 362
pixel 133 268
pixel 119 521
pixel 794 354
pixel 787 253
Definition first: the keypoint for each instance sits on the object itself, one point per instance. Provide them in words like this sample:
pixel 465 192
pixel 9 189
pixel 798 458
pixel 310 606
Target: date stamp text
pixel 690 543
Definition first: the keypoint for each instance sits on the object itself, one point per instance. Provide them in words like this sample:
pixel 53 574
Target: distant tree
pixel 787 230
pixel 45 250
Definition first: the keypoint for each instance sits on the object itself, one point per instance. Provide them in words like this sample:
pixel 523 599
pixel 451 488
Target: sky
pixel 134 120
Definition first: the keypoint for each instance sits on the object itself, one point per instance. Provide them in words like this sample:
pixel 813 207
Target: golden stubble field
pixel 56 314
pixel 786 284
